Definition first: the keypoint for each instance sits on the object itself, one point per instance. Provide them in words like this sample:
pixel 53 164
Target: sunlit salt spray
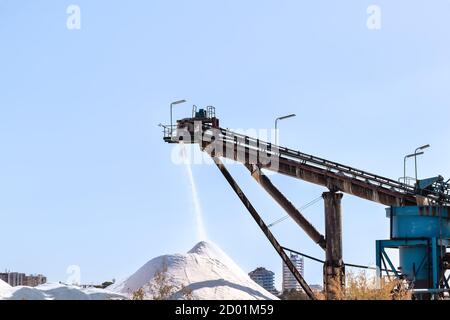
pixel 201 232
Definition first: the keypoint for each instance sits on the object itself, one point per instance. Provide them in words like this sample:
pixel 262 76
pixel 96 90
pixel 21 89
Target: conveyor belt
pixel 333 175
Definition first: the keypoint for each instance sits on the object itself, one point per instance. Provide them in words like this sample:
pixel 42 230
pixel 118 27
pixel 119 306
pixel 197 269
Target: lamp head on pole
pixel 286 117
pixel 424 147
pixel 414 155
pixel 178 102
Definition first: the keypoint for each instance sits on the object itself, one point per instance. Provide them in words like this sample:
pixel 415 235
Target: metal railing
pixel 402 188
pixel 410 181
pixel 169 131
pixel 228 136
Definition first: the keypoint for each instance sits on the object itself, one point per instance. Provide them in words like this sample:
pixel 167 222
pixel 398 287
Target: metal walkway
pixel 203 128
pixel 334 176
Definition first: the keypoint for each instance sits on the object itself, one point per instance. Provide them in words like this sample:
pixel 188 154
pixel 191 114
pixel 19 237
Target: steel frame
pixel 254 153
pixel 437 275
pixel 279 249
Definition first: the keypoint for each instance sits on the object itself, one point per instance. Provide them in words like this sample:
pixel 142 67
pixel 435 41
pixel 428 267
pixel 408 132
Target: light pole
pixel 171 106
pixel 415 158
pixel 276 125
pixel 404 163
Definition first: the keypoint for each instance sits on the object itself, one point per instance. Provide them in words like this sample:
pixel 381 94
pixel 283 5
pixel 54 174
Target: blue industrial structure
pixel 421 234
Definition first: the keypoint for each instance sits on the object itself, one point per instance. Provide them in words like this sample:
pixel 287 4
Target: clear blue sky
pixel 85 178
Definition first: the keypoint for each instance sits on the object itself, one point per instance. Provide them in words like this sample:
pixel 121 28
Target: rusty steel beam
pixel 319 176
pixel 291 210
pixel 334 181
pixel 334 268
pixel 264 227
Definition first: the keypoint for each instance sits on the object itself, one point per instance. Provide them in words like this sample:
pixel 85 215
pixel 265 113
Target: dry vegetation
pixel 162 289
pixel 358 286
pixel 363 287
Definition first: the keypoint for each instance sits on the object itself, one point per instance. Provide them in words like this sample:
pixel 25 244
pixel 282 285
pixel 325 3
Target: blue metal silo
pixel 421 234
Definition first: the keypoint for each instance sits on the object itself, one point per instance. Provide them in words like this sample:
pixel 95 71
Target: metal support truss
pixel 264 227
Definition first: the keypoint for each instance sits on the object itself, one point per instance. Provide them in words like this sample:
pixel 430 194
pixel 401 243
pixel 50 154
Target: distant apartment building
pixel 289 281
pixel 265 278
pixel 34 280
pixel 316 288
pixel 15 279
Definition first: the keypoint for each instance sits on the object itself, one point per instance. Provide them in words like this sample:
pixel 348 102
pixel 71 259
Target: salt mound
pixel 4 287
pixel 57 292
pixel 208 249
pixel 204 273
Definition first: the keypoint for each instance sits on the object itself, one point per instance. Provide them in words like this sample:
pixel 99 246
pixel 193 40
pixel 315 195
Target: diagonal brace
pixel 291 210
pixel 264 227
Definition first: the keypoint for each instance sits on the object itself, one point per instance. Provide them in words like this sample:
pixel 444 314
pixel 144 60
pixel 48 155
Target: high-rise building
pixel 289 281
pixel 265 278
pixel 4 276
pixel 34 280
pixel 15 279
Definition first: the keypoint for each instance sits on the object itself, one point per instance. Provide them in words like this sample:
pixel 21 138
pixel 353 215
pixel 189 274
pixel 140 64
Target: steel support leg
pixel 291 210
pixel 334 270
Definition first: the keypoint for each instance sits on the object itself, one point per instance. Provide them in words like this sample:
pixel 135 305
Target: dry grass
pixel 138 294
pixel 162 289
pixel 363 287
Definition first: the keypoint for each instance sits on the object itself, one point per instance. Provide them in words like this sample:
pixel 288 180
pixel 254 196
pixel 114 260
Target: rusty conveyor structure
pixel 264 228
pixel 332 175
pixel 203 129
